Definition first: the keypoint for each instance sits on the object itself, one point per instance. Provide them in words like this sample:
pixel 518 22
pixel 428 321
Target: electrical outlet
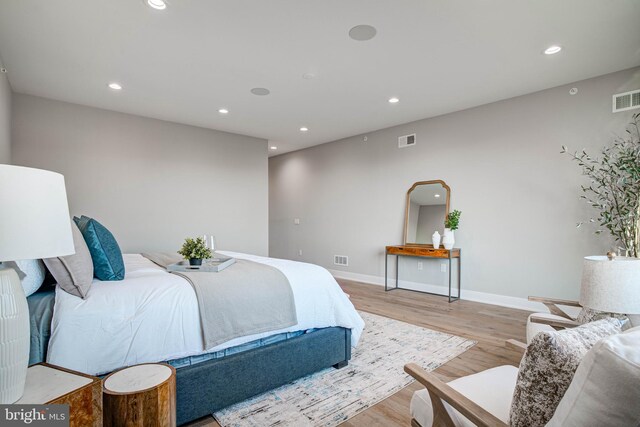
pixel 299 252
pixel 443 268
pixel 419 265
pixel 296 221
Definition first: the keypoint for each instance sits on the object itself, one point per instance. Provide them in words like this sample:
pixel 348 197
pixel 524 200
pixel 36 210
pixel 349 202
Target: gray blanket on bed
pixel 246 298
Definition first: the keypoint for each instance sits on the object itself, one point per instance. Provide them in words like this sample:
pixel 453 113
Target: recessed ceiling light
pixel 223 111
pixel 303 129
pixel 362 33
pixel 393 100
pixel 551 50
pixel 436 195
pixel 273 147
pixel 157 4
pixel 260 91
pixel 115 86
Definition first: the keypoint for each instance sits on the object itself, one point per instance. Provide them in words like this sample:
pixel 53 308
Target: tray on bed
pixel 213 265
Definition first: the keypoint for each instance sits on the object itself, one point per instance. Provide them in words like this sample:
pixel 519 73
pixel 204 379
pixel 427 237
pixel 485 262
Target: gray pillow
pixel 547 369
pixel 73 273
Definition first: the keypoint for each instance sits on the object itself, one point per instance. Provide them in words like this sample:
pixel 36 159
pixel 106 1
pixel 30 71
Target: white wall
pixel 152 183
pixel 5 119
pixel 518 195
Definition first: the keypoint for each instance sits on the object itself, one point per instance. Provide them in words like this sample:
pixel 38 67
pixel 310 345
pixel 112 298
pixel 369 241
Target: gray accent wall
pixel 151 182
pixel 518 195
pixel 5 119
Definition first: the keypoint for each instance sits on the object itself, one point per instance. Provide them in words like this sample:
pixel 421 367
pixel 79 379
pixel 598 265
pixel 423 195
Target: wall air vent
pixel 407 141
pixel 626 101
pixel 341 260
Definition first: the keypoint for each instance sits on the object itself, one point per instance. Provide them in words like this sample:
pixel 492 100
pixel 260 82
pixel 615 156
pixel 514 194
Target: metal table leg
pixel 449 277
pixel 459 274
pixel 397 270
pixel 386 261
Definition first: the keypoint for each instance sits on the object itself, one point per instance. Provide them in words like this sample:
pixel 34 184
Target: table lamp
pixel 611 284
pixel 34 223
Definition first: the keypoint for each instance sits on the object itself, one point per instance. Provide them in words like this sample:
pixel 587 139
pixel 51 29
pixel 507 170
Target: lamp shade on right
pixel 611 285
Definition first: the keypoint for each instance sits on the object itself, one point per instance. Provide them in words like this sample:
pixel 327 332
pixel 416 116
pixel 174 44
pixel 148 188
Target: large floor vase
pixel 14 337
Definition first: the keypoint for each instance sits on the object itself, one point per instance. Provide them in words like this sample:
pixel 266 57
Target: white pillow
pixel 31 273
pixel 605 390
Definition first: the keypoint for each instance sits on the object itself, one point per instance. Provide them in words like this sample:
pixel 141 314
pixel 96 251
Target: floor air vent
pixel 626 101
pixel 340 260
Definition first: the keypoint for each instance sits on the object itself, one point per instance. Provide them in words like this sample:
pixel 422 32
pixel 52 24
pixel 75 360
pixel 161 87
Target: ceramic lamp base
pixel 14 336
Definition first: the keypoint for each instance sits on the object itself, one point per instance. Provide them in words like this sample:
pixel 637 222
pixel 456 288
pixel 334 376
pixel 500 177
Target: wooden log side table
pixel 49 384
pixel 423 251
pixel 141 396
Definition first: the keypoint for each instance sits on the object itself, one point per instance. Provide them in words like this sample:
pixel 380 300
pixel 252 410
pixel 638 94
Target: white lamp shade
pixel 611 285
pixel 34 215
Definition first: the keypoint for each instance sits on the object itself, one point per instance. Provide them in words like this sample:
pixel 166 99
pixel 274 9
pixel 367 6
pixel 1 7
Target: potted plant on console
pixel 451 223
pixel 195 250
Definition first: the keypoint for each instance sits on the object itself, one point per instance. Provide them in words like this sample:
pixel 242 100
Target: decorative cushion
pixel 605 389
pixel 31 273
pixel 73 273
pixel 590 315
pixel 105 252
pixel 474 387
pixel 547 368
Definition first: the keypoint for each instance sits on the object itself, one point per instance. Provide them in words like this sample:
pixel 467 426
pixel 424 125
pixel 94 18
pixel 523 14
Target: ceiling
pixel 197 56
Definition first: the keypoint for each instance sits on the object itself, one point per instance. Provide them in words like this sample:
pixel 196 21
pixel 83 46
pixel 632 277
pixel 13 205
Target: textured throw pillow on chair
pixel 547 369
pixel 590 315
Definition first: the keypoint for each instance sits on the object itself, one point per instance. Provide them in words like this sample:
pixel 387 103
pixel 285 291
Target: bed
pixel 152 316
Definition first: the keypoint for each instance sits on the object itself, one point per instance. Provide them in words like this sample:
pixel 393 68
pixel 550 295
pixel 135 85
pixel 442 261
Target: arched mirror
pixel 426 210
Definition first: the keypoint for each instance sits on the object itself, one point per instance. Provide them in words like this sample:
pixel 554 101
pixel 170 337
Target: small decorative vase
pixel 195 261
pixel 448 240
pixel 435 239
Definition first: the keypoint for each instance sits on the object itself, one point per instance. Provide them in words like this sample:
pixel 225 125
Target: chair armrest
pixel 516 345
pixel 441 390
pixel 556 323
pixel 558 301
pixel 550 303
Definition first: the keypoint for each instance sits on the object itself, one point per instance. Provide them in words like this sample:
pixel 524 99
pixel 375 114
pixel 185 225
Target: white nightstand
pixel 49 384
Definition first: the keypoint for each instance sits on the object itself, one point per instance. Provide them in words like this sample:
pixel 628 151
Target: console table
pixel 423 251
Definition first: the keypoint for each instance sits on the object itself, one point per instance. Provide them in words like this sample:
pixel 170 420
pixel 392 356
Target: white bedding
pixel 152 316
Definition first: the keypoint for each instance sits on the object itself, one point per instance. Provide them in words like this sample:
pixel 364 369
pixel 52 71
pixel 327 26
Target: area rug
pixel 332 396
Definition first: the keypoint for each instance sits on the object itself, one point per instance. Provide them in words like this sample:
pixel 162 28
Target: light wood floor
pixel 489 325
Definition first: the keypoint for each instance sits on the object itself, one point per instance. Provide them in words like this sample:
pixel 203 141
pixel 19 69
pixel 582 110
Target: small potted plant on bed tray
pixel 195 250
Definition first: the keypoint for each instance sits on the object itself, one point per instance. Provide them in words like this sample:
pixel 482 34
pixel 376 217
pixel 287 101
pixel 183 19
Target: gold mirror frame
pixel 408 205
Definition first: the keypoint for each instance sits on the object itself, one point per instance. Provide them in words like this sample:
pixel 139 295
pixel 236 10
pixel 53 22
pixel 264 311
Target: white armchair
pixel 562 314
pixel 605 391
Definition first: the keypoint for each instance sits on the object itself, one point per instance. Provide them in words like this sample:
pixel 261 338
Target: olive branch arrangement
pixel 614 188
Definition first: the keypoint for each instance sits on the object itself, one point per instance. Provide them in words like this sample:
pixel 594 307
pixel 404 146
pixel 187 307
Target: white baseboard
pixel 484 297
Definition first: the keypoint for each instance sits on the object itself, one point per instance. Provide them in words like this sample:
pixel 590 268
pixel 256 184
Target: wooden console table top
pixel 426 251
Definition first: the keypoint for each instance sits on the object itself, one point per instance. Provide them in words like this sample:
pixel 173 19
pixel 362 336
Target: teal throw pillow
pixel 105 252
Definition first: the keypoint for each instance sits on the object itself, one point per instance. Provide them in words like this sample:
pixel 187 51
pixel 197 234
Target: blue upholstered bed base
pixel 212 385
